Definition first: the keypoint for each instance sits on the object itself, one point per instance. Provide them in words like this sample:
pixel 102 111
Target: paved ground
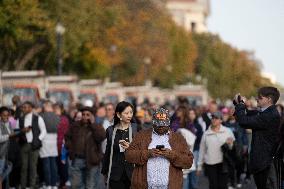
pixel 203 184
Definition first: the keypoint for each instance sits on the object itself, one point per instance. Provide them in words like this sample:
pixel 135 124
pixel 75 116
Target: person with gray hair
pixel 213 146
pixel 48 152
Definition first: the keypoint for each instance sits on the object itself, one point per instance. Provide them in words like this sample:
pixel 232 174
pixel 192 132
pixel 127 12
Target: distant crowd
pixel 45 146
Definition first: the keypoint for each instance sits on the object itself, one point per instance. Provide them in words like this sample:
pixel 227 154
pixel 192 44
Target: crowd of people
pixel 129 145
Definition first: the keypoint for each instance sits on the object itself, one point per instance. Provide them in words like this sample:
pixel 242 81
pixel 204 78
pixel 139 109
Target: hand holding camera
pixel 239 99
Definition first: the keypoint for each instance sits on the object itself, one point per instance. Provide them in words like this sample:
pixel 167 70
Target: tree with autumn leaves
pixel 106 38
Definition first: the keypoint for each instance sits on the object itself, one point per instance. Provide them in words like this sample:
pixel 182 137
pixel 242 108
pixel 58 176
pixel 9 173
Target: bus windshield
pixel 25 94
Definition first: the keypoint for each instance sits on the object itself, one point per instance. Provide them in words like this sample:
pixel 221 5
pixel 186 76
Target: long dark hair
pixel 120 107
pixel 184 119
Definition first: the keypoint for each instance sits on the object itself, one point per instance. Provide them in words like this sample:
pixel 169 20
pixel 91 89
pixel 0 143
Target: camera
pixel 238 100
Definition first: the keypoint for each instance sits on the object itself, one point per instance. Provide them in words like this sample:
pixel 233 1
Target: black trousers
pixel 123 183
pixel 217 178
pixel 260 178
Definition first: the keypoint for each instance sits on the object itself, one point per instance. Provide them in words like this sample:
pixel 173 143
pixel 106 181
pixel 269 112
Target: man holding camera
pixel 160 154
pixel 83 142
pixel 265 128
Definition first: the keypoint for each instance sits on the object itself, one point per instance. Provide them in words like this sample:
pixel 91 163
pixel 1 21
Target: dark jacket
pixel 206 119
pixel 265 129
pixel 119 165
pixel 36 142
pixel 85 141
pixel 51 121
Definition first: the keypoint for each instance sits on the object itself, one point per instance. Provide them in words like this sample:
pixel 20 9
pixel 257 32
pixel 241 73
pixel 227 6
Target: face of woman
pixel 126 115
pixel 57 110
pixel 192 115
pixel 148 117
pixel 179 113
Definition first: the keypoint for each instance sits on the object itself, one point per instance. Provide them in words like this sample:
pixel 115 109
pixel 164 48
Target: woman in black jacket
pixel 116 170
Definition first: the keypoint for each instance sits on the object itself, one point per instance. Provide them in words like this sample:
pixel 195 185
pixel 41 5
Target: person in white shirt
pixel 211 154
pixel 30 143
pixel 48 152
pixel 108 121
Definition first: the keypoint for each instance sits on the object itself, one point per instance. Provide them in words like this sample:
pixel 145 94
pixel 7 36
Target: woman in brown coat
pixel 159 156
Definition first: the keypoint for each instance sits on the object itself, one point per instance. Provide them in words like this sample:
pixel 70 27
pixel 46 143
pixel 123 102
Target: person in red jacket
pixel 62 129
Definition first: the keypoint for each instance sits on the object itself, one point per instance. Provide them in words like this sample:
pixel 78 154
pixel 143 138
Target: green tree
pixel 24 35
pixel 226 69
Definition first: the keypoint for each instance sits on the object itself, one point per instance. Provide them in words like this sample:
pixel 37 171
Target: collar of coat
pixel 211 132
pixel 167 133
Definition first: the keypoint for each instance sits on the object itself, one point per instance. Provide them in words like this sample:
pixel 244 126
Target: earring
pixel 120 119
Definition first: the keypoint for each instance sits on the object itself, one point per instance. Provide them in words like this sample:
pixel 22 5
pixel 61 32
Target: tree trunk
pixel 20 64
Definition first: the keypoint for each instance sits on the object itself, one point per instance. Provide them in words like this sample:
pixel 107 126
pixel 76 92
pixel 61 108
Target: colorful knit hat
pixel 161 117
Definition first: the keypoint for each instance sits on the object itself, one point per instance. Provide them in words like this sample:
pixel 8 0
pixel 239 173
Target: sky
pixel 253 25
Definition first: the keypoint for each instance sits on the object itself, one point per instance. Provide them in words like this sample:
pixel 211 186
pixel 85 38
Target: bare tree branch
pixel 20 64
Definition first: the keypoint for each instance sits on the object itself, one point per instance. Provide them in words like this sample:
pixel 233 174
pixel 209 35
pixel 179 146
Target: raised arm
pixel 258 122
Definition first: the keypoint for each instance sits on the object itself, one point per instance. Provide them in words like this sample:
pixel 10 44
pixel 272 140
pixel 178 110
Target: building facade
pixel 190 14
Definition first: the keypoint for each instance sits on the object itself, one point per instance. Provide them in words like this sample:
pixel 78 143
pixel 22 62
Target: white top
pixel 28 122
pixel 49 146
pixel 4 138
pixel 210 146
pixel 106 124
pixel 190 140
pixel 158 168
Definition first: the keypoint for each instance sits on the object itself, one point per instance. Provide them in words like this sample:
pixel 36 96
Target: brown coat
pixel 85 140
pixel 138 154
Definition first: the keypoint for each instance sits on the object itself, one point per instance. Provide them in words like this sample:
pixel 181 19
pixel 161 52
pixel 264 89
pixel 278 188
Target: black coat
pixel 265 134
pixel 119 164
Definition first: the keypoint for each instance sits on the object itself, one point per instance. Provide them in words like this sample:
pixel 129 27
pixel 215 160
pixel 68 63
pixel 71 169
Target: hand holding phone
pixel 26 129
pixel 123 144
pixel 154 152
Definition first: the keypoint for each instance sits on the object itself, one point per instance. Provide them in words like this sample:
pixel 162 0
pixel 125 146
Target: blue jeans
pixel 5 170
pixel 194 178
pixel 188 182
pixel 50 171
pixel 82 177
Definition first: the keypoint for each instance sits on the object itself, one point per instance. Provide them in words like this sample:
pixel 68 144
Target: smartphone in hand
pixel 159 147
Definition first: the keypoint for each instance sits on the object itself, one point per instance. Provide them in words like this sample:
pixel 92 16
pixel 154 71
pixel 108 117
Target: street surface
pixel 203 184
